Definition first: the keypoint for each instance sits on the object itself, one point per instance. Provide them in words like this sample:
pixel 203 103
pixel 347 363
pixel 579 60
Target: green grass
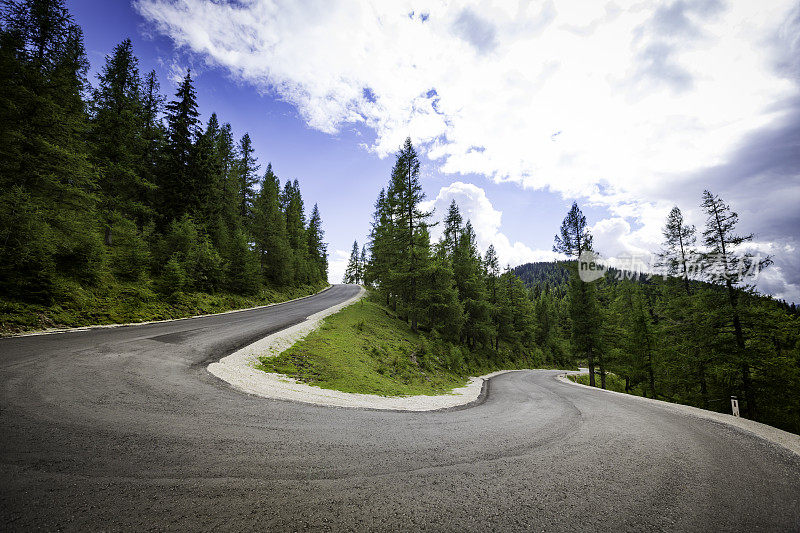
pixel 365 348
pixel 133 302
pixel 613 382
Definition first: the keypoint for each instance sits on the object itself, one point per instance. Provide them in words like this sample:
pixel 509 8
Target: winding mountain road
pixel 123 428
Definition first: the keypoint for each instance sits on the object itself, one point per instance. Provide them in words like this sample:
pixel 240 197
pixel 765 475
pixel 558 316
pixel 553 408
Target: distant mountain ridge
pixel 553 277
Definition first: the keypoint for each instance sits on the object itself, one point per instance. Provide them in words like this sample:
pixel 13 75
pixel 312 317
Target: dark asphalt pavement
pixel 123 428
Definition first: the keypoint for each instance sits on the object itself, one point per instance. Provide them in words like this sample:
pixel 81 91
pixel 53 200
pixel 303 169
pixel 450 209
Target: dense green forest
pixel 694 339
pixel 116 204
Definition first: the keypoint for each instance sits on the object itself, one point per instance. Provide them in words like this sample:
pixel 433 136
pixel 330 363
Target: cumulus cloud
pixel 337 264
pixel 632 106
pixel 614 238
pixel 476 207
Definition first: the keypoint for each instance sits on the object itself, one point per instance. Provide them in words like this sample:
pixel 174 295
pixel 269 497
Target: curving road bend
pixel 123 428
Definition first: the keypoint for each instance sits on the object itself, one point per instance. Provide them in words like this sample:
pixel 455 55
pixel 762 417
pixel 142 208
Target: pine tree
pixel 296 231
pixel 468 273
pixel 636 332
pixel 207 170
pixel 351 273
pixel 269 232
pixel 726 264
pixel 362 264
pixel 405 195
pixel 242 271
pixel 75 170
pixel 317 249
pixel 154 136
pixel 381 247
pixel 574 239
pixel 443 312
pixel 680 304
pixel 453 225
pixel 492 273
pixel 178 189
pixel 247 167
pixel 229 207
pixel 677 252
pixel 117 129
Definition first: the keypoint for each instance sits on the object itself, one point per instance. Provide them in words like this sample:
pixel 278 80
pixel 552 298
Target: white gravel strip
pixel 790 441
pixel 238 369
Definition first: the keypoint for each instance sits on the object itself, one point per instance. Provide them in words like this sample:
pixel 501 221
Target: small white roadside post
pixel 735 406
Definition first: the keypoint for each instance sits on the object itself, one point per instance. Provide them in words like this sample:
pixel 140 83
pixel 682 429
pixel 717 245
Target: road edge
pixel 238 370
pixel 779 437
pixel 56 331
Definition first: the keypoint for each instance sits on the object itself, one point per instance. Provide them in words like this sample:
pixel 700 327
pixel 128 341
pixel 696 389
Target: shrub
pixel 130 255
pixel 173 277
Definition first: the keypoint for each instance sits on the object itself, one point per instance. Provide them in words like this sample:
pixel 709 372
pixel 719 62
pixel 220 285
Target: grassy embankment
pixel 366 348
pixel 614 383
pixel 122 303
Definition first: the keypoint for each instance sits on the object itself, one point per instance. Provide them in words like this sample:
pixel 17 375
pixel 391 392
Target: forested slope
pixel 690 339
pixel 118 205
pixel 673 340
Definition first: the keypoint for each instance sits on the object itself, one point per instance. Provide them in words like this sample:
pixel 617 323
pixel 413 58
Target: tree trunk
pixel 602 370
pixel 683 264
pixel 650 373
pixel 703 384
pixel 747 387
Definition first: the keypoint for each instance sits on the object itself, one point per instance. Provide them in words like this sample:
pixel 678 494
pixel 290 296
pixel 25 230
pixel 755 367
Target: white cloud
pixel 476 207
pixel 613 238
pixel 625 104
pixel 337 264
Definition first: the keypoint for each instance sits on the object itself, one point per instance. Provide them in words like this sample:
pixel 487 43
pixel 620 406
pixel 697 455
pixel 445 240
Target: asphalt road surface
pixel 124 428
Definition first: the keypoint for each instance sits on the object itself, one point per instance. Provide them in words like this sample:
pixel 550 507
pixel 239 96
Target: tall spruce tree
pixel 229 193
pixel 294 212
pixel 468 273
pixel 453 225
pixel 351 273
pixel 680 304
pixel 207 171
pixel 405 196
pixel 117 132
pixel 677 252
pixel 728 267
pixel 443 312
pixel 574 238
pixel 269 232
pixel 492 274
pixel 247 168
pixel 381 247
pixel 317 249
pixel 362 264
pixel 178 189
pixel 154 136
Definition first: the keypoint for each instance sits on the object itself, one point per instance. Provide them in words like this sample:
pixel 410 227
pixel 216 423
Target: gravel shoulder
pixel 238 370
pixel 787 440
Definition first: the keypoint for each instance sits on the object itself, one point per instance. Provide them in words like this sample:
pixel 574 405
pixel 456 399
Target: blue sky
pixel 518 108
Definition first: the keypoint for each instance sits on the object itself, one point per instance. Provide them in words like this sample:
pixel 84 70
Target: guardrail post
pixel 735 406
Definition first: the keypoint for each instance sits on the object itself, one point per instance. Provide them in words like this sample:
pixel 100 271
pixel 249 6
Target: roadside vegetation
pixel 367 348
pixel 126 303
pixel 613 382
pixel 696 335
